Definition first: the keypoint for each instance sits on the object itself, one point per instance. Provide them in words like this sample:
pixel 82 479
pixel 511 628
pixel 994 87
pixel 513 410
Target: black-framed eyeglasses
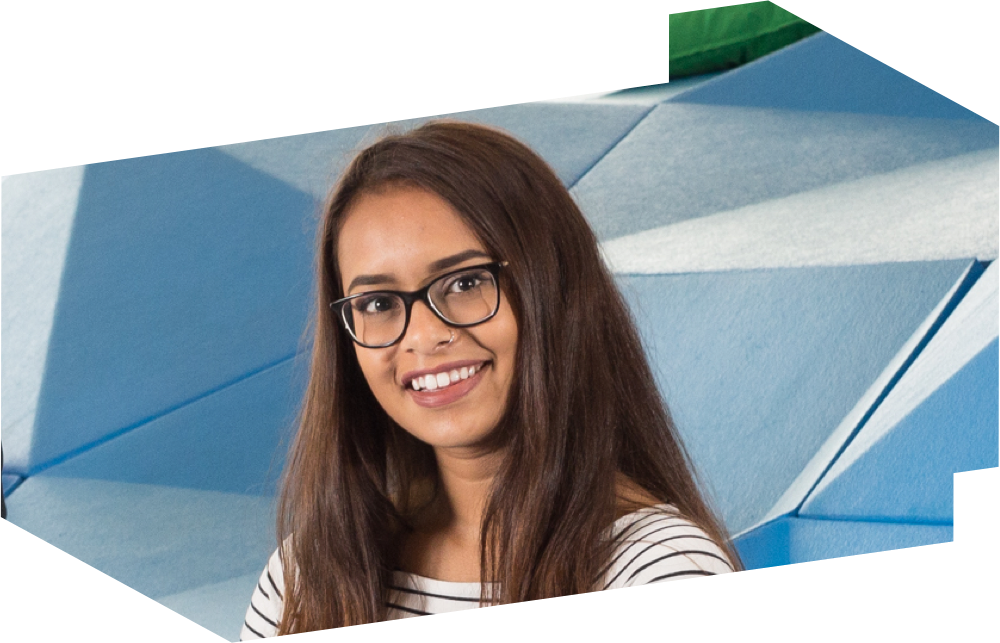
pixel 460 298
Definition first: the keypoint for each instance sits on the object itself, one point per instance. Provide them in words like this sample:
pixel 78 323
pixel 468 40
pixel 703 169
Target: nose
pixel 426 332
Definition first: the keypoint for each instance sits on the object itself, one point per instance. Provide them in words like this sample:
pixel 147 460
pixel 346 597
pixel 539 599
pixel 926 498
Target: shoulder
pixel 657 544
pixel 266 603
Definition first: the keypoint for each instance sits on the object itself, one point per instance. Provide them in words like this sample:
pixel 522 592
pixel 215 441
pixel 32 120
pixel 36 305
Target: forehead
pixel 400 231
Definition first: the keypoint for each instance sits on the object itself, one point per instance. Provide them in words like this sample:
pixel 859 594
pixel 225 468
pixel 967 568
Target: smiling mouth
pixel 448 384
pixel 445 378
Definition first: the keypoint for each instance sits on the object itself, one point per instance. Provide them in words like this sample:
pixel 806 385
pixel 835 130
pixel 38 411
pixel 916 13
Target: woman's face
pixel 402 239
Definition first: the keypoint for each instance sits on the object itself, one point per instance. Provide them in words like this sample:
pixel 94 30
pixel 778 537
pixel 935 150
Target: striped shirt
pixel 655 544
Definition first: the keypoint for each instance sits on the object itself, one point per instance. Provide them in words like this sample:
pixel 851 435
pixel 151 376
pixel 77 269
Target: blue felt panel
pixel 799 540
pixel 570 136
pixel 233 440
pixel 685 161
pixel 10 483
pixel 184 272
pixel 759 367
pixel 309 163
pixel 943 209
pixel 219 607
pixel 907 475
pixel 822 73
pixel 157 540
pixel 38 210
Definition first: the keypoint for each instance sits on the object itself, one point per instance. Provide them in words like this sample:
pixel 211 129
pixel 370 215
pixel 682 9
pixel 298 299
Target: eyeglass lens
pixel 462 298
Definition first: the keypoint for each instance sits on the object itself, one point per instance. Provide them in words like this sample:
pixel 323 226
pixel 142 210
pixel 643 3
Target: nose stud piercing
pixel 452 336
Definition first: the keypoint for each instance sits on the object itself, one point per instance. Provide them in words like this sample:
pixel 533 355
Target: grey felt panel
pixel 759 367
pixel 826 74
pixel 157 540
pixel 799 540
pixel 184 272
pixel 685 161
pixel 233 440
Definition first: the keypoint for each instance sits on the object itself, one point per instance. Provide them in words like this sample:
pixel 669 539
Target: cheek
pixel 377 369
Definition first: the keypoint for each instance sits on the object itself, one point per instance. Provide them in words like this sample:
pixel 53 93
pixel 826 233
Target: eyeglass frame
pixel 423 294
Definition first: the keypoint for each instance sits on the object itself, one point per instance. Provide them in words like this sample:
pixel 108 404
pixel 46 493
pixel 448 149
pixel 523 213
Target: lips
pixel 443 384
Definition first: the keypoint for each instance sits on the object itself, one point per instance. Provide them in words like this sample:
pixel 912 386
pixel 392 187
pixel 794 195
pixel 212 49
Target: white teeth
pixel 434 381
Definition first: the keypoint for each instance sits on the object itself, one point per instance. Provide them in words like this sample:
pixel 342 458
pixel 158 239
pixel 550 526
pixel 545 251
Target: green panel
pixel 727 37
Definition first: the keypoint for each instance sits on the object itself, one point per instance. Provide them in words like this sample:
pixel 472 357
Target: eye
pixel 466 282
pixel 376 304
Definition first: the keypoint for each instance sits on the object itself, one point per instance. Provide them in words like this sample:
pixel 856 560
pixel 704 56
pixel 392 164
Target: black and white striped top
pixel 655 544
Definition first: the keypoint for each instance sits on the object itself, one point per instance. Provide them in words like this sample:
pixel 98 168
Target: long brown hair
pixel 584 409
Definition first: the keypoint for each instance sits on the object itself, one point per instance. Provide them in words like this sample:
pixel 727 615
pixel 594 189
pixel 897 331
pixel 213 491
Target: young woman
pixel 481 425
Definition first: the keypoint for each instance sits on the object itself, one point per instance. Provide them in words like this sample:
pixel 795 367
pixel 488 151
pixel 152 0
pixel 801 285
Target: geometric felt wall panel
pixel 9 481
pixel 232 440
pixel 907 474
pixel 38 210
pixel 184 272
pixel 685 161
pixel 944 209
pixel 759 367
pixel 938 417
pixel 157 540
pixel 570 137
pixel 219 607
pixel 798 540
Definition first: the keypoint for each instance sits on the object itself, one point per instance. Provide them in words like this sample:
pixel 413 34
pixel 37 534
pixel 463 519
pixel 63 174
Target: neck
pixel 465 483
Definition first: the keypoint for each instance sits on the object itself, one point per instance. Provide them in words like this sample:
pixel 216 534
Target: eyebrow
pixel 436 266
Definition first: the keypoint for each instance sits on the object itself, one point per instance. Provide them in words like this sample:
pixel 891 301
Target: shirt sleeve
pixel 266 604
pixel 661 546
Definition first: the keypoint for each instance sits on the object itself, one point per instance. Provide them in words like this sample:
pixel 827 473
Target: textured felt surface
pixel 157 540
pixel 570 137
pixel 38 211
pixel 233 440
pixel 219 607
pixel 685 161
pixel 10 482
pixel 944 209
pixel 184 272
pixel 940 418
pixel 907 475
pixel 798 540
pixel 759 367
